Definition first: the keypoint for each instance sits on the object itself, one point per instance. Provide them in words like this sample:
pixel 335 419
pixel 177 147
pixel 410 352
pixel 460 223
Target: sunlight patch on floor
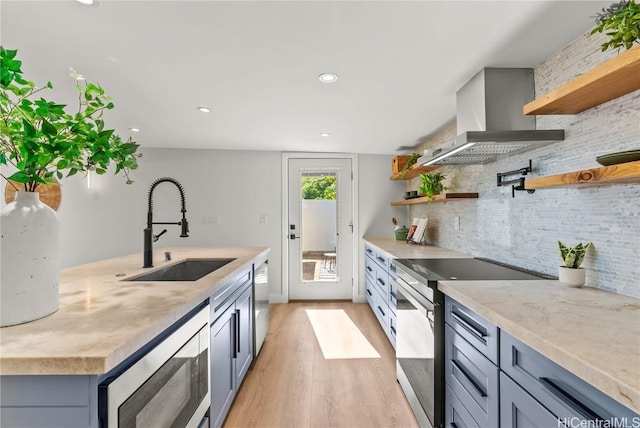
pixel 338 336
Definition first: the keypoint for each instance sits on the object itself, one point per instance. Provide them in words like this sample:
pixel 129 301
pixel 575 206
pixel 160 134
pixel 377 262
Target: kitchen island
pixel 592 333
pixel 107 324
pixel 103 318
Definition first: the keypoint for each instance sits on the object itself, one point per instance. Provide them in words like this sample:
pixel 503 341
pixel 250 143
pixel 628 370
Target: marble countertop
pixel 595 334
pixel 402 250
pixel 103 318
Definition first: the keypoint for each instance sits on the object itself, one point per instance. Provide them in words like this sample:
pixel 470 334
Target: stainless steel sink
pixel 188 270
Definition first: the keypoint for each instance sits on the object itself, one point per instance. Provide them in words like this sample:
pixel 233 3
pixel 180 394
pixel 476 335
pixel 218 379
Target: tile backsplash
pixel 524 230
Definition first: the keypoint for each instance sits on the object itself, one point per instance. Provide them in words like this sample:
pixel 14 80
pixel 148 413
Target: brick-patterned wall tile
pixel 524 230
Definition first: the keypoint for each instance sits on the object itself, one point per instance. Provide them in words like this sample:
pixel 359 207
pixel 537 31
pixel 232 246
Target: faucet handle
pixel 156 237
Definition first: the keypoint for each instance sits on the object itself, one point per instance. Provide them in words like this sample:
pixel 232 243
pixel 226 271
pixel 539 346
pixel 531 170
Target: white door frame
pixel 285 221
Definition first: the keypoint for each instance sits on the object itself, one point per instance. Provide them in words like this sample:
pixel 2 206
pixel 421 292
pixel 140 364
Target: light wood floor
pixel 292 385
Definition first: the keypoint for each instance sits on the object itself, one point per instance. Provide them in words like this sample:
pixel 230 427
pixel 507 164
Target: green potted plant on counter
pixel 621 22
pixel 431 185
pixel 571 274
pixel 40 143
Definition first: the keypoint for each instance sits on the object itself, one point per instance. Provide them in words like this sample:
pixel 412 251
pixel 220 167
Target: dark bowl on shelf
pixel 618 157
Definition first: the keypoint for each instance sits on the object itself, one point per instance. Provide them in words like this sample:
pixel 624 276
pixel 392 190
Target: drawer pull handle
pixel 471 329
pixel 393 330
pixel 381 260
pixel 369 250
pixel 369 292
pixel 369 269
pixel 381 311
pixel 473 383
pixel 381 282
pixel 568 400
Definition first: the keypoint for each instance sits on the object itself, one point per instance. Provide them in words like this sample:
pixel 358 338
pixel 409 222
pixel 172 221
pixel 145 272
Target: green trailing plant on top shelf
pixel 411 162
pixel 573 256
pixel 44 142
pixel 431 185
pixel 621 22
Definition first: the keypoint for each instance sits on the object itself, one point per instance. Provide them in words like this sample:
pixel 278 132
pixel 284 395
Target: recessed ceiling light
pixel 86 2
pixel 328 77
pixel 134 129
pixel 204 109
pixel 325 134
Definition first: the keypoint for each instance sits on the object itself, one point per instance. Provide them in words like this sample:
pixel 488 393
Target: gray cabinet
pixel 379 289
pixel 565 396
pixel 492 379
pixel 471 375
pixel 519 409
pixel 231 344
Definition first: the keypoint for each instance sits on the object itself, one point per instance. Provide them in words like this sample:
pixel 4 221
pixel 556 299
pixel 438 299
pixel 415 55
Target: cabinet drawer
pixel 477 330
pixel 456 415
pixel 383 284
pixel 472 377
pixel 370 293
pixel 224 297
pixel 369 267
pixel 392 328
pixel 560 391
pixel 519 409
pixel 382 261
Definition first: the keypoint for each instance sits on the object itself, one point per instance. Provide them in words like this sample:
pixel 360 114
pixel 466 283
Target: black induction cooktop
pixel 466 269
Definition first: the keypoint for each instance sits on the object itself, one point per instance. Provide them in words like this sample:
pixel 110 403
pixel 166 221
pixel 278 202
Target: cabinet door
pixel 244 339
pixel 518 409
pixel 222 365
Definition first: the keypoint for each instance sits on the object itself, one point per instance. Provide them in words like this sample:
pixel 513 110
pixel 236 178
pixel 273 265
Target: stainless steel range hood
pixel 490 121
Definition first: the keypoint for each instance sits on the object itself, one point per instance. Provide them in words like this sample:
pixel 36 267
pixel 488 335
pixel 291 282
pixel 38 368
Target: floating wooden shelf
pixel 438 198
pixel 415 171
pixel 624 172
pixel 610 80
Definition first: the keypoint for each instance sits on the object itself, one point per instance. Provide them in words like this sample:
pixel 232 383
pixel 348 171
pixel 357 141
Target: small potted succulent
pixel 431 185
pixel 571 274
pixel 621 22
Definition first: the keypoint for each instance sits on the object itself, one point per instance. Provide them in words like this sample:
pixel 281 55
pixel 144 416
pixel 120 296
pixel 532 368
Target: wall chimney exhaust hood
pixel 490 120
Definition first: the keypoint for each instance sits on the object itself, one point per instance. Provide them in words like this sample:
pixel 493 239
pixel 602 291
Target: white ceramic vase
pixel 29 261
pixel 571 277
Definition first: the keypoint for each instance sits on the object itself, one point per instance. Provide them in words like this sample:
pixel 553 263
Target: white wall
pixel 107 221
pixel 318 225
pixel 375 193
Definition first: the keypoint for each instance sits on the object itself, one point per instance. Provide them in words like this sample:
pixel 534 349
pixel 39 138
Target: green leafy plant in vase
pixel 571 274
pixel 431 185
pixel 621 23
pixel 40 143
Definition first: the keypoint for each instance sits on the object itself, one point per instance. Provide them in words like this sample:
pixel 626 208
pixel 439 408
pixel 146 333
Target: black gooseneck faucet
pixel 149 237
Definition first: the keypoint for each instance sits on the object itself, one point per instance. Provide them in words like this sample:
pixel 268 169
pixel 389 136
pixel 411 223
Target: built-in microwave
pixel 169 386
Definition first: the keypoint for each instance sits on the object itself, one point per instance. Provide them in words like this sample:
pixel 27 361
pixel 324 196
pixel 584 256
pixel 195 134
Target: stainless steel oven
pixel 420 325
pixel 166 387
pixel 416 339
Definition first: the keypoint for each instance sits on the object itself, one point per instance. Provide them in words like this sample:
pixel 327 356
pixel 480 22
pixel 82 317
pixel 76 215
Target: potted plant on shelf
pixel 413 159
pixel 621 22
pixel 571 274
pixel 431 185
pixel 40 143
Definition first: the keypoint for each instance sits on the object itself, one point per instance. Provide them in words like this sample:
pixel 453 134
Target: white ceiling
pixel 256 64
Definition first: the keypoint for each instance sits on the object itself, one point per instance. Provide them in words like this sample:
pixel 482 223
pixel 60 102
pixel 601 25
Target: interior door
pixel 320 229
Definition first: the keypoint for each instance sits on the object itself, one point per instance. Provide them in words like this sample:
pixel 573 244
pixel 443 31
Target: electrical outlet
pixel 263 219
pixel 456 222
pixel 211 220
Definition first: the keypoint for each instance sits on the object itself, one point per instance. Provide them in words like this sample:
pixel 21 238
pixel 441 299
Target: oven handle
pixel 420 302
